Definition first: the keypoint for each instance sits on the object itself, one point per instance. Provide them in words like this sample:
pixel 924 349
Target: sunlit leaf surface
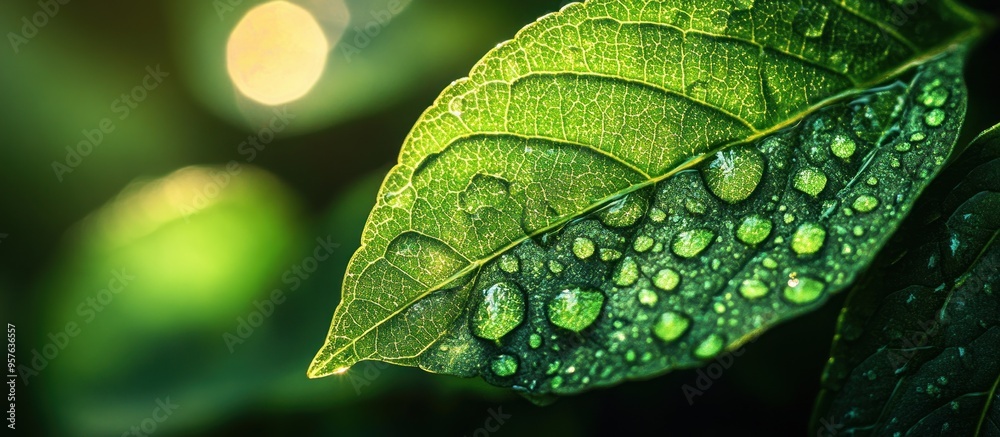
pixel 739 158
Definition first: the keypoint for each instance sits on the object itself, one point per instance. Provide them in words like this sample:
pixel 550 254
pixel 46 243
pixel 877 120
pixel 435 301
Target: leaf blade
pixel 588 117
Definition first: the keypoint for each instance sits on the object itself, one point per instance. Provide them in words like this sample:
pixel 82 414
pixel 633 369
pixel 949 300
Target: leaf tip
pixel 324 365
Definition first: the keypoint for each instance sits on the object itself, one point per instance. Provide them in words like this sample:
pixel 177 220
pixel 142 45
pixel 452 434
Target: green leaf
pixel 617 107
pixel 918 346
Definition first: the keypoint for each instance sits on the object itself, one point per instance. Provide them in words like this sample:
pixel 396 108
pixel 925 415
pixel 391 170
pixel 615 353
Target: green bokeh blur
pixel 168 265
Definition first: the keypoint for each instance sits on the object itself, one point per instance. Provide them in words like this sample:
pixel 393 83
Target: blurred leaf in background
pixel 151 282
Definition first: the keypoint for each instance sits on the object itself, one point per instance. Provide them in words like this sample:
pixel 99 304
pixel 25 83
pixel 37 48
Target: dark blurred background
pixel 138 272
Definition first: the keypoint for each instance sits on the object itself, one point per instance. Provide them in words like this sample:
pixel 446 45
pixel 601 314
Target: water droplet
pixel 719 307
pixel 609 255
pixel 504 366
pixel 509 263
pixel 754 229
pixel 810 180
pixel 557 381
pixel 401 199
pixel 903 147
pixel 689 244
pixel 918 137
pixel 858 231
pixel 625 211
pixel 935 98
pixel 865 203
pixel 499 312
pixel 627 273
pixel 808 239
pixel 803 290
pixel 575 309
pixel 843 147
pixel 666 279
pixel 583 248
pixel 670 326
pixel 648 297
pixel 873 181
pixel 694 206
pixel 657 215
pixel 769 263
pixel 483 191
pixel 697 90
pixel 642 243
pixel 753 289
pixel 710 347
pixel 535 341
pixel 734 174
pixel 456 105
pixel 934 118
pixel 555 267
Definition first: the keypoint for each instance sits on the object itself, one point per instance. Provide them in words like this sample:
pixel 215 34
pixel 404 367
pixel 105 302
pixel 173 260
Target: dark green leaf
pixel 626 108
pixel 918 346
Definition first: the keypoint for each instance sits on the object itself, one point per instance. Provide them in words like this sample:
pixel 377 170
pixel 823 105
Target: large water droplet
pixel 671 325
pixel 499 312
pixel 504 366
pixel 710 347
pixel 754 229
pixel 583 248
pixel 483 191
pixel 934 118
pixel 666 279
pixel 810 180
pixel 865 203
pixel 803 290
pixel 843 147
pixel 808 239
pixel 624 212
pixel 643 243
pixel 689 244
pixel 734 174
pixel 575 309
pixel 627 273
pixel 753 289
pixel 934 95
pixel 810 20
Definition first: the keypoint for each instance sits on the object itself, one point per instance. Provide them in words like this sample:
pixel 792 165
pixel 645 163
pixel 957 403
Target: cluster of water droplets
pixel 670 275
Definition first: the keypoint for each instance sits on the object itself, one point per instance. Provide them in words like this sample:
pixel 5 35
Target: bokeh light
pixel 276 53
